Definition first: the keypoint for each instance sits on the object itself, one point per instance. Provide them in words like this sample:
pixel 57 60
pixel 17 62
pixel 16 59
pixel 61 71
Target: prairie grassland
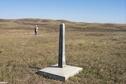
pixel 101 54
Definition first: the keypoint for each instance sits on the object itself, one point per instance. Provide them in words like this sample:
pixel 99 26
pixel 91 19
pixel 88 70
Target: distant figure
pixel 36 29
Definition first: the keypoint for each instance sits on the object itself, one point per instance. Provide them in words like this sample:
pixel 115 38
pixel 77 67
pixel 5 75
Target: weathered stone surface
pixel 54 72
pixel 61 59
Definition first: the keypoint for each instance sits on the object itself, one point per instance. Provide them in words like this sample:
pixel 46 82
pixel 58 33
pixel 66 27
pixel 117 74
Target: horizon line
pixel 64 20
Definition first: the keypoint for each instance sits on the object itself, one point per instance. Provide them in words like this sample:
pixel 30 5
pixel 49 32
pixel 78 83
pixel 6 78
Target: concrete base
pixel 57 73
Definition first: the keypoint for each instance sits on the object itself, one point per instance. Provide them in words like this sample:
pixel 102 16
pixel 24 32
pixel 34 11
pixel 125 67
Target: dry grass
pixel 101 54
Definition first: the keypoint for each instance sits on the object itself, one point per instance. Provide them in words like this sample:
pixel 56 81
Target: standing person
pixel 36 29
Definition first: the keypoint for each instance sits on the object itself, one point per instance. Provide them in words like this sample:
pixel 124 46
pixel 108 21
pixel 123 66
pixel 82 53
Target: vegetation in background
pixel 100 49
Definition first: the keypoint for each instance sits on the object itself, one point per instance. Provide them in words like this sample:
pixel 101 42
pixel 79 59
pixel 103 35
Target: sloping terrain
pixel 100 49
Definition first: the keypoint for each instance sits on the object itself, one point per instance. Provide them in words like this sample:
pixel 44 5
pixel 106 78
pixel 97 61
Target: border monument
pixel 60 71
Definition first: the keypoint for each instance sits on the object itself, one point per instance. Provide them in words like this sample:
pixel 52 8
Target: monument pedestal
pixel 54 72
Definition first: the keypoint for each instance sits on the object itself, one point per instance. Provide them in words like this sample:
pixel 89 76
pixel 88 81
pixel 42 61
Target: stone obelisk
pixel 61 58
pixel 60 71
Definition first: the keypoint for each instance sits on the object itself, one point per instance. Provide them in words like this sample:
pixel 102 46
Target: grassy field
pixel 100 49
